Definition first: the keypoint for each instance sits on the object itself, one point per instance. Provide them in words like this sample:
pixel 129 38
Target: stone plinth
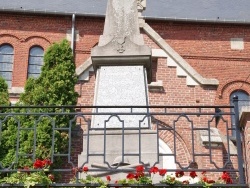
pixel 135 147
pixel 121 86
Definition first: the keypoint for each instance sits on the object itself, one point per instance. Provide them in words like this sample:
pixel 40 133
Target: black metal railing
pixel 198 139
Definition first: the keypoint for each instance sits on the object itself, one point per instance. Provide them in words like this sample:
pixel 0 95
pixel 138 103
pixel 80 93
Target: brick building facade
pixel 193 62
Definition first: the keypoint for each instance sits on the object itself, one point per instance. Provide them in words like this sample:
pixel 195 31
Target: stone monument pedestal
pixel 109 151
pixel 123 139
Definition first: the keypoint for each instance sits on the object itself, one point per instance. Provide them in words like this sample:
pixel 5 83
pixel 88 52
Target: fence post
pixel 238 140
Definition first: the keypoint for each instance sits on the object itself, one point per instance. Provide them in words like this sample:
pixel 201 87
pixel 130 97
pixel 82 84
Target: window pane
pixel 35 61
pixel 6 58
pixel 34 69
pixel 5 66
pixel 6 49
pixel 6 63
pixel 36 51
pixel 33 75
pixel 6 75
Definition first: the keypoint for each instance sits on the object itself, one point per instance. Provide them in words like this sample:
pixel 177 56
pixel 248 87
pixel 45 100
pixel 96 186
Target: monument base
pixel 108 152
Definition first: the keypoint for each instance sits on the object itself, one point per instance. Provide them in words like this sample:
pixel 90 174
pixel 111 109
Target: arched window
pixel 6 63
pixel 242 97
pixel 35 61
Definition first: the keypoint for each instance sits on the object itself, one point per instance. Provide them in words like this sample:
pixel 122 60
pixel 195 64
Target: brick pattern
pixel 24 31
pixel 207 48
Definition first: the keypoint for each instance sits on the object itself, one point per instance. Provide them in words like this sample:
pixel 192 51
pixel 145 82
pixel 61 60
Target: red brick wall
pixel 89 30
pixel 209 52
pixel 207 48
pixel 24 31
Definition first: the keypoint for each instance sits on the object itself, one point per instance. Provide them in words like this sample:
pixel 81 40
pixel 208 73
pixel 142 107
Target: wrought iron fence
pixel 176 138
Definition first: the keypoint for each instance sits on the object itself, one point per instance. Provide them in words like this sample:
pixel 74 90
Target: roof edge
pixel 49 12
pixel 219 21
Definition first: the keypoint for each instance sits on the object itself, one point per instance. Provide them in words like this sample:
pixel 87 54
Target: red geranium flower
pixel 162 172
pixel 139 174
pixel 108 178
pixel 185 182
pixel 130 176
pixel 179 174
pixel 38 164
pixel 46 162
pixel 85 169
pixel 140 168
pixel 205 179
pixel 193 174
pixel 226 177
pixel 153 170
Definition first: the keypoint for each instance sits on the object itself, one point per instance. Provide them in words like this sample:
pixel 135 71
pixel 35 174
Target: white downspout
pixel 73 34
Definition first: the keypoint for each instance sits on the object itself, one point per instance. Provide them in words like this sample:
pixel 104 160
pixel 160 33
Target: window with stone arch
pixel 35 61
pixel 243 98
pixel 6 62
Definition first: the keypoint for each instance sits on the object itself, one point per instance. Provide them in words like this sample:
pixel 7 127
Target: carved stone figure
pixel 121 22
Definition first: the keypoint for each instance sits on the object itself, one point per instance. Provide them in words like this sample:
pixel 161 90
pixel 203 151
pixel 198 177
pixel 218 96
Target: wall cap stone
pixel 16 90
pixel 83 67
pixel 179 60
pixel 244 116
pixel 214 136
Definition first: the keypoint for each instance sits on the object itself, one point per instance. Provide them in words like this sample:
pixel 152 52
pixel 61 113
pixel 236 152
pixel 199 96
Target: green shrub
pixel 55 86
pixel 4 95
